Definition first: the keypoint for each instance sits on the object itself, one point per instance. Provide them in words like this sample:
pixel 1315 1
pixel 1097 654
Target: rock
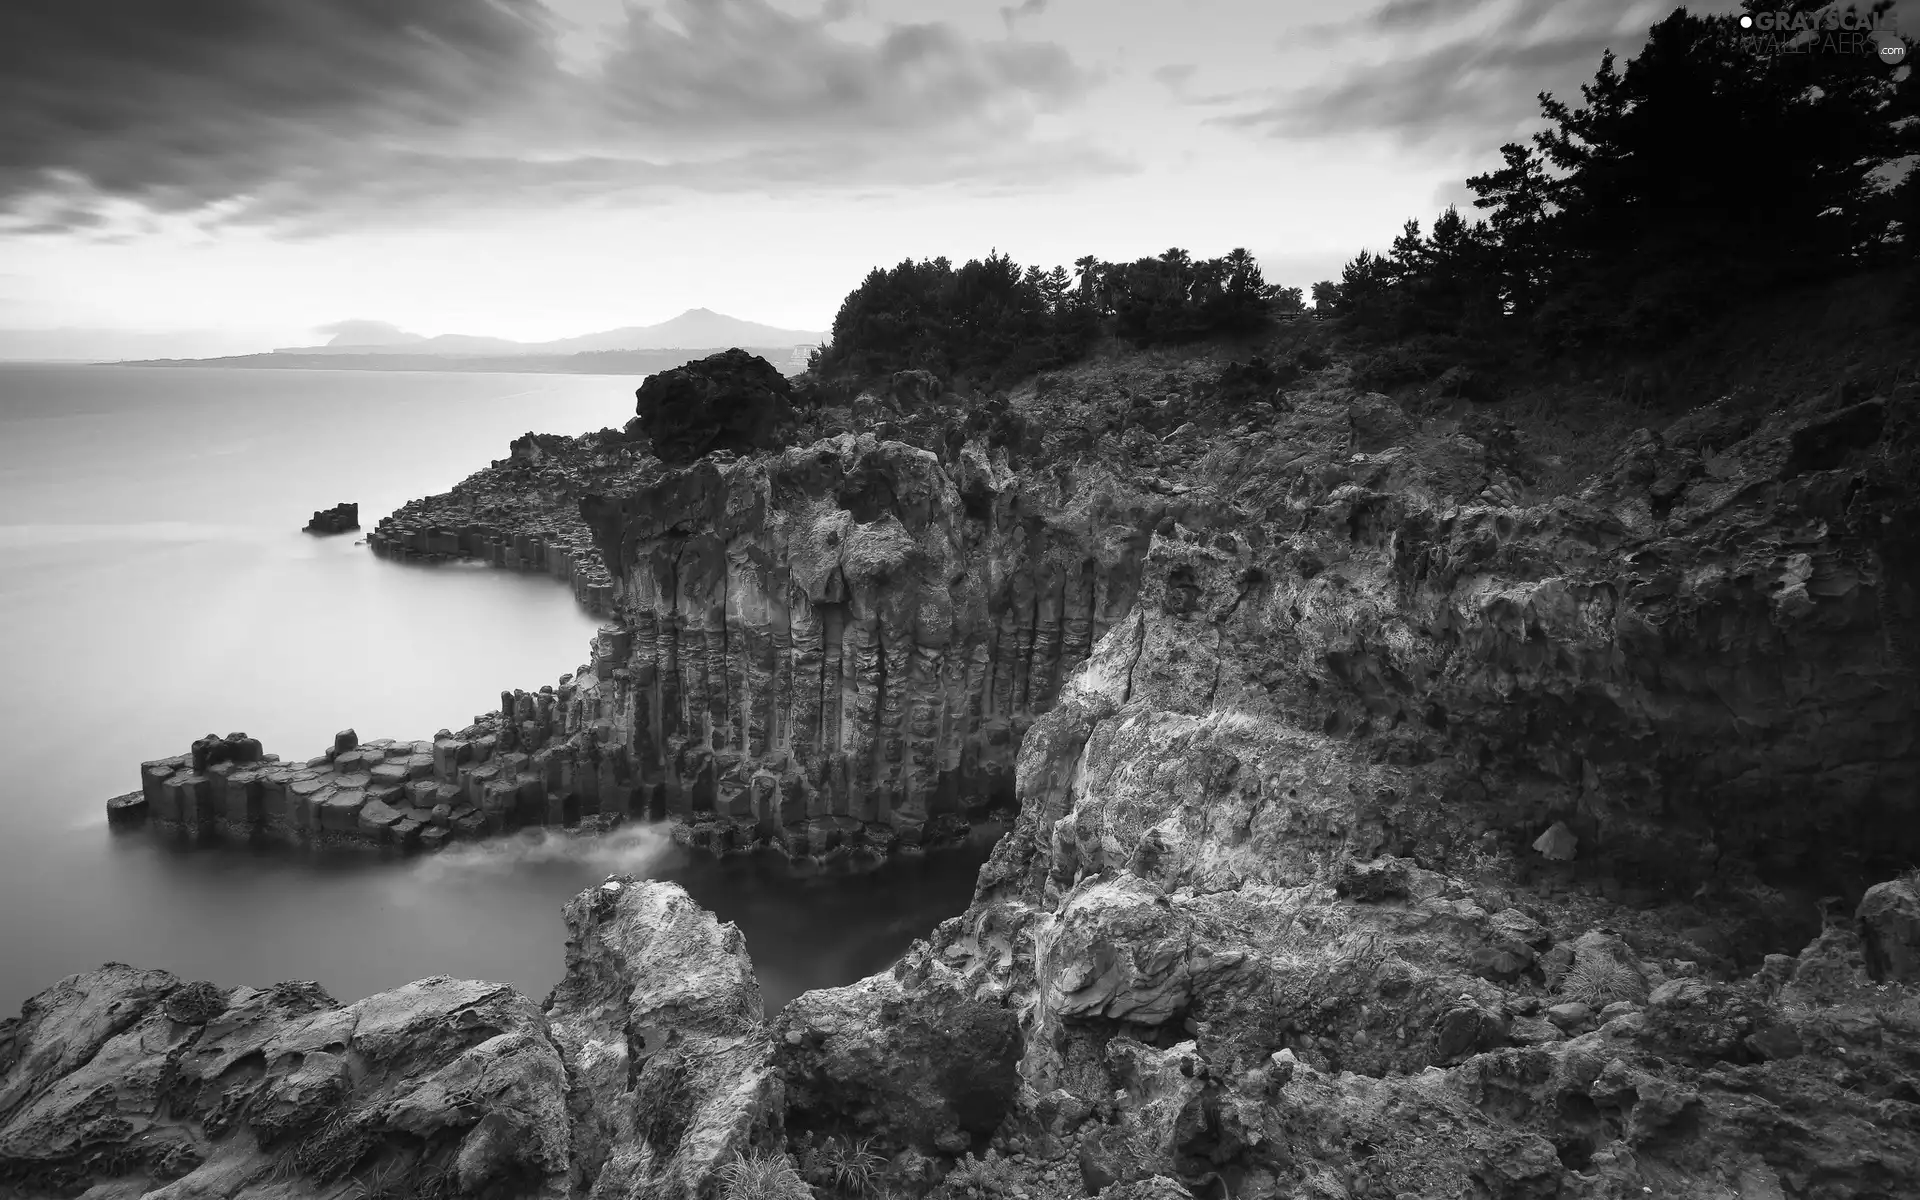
pixel 921 1068
pixel 1889 919
pixel 1464 1030
pixel 875 583
pixel 1569 1015
pixel 120 1075
pixel 732 401
pixel 341 518
pixel 659 1021
pixel 1532 1031
pixel 128 810
pixel 1380 879
pixel 1558 842
pixel 1501 964
pixel 1774 1040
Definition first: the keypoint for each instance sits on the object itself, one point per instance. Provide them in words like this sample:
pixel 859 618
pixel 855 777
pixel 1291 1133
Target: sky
pixel 223 176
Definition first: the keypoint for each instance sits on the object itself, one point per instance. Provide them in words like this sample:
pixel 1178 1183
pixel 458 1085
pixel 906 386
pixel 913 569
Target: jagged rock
pixel 733 401
pixel 341 518
pixel 1889 917
pixel 927 1068
pixel 659 1021
pixel 1558 842
pixel 1381 879
pixel 119 1074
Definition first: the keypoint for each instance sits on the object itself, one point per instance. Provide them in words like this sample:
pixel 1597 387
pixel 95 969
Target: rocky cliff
pixel 1399 814
pixel 123 1082
pixel 849 639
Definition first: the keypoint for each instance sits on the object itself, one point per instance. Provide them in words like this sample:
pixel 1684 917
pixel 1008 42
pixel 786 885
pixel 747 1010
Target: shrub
pixel 762 1175
pixel 1597 979
pixel 847 1165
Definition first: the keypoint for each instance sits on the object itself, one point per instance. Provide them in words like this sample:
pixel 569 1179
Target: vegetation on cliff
pixel 1702 174
pixel 1705 173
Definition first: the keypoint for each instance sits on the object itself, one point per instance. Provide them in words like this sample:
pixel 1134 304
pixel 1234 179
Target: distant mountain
pixel 694 328
pixel 790 359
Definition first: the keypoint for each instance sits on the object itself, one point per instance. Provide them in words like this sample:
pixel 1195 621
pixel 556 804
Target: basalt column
pixel 828 647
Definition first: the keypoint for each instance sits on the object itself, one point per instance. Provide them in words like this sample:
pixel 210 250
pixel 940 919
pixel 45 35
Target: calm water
pixel 156 588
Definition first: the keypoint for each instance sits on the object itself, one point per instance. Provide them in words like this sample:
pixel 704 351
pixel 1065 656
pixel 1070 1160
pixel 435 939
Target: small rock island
pixel 341 518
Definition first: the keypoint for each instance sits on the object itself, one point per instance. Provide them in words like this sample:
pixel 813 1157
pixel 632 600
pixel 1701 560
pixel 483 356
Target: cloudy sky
pixel 218 176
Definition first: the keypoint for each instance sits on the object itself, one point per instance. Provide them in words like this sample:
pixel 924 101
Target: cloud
pixel 1175 76
pixel 325 111
pixel 1027 8
pixel 1466 91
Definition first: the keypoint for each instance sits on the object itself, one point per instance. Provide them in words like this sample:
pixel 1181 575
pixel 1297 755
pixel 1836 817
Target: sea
pixel 155 587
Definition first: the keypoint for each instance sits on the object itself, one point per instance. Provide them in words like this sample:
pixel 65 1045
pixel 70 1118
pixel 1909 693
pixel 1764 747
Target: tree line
pixel 994 319
pixel 1707 170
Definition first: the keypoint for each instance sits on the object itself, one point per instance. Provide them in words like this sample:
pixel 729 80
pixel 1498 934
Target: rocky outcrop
pixel 648 1070
pixel 908 1058
pixel 544 758
pixel 1339 865
pixel 732 401
pixel 179 1089
pixel 523 512
pixel 845 642
pixel 341 518
pixel 660 1025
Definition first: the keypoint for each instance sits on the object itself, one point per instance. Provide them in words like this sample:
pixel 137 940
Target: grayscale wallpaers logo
pixel 1825 32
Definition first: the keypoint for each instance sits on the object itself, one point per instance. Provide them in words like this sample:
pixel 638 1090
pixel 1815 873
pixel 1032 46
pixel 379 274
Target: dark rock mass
pixel 732 401
pixel 341 518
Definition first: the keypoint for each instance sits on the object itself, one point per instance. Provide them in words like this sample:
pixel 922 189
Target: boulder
pixel 1889 919
pixel 659 1019
pixel 905 1057
pixel 732 401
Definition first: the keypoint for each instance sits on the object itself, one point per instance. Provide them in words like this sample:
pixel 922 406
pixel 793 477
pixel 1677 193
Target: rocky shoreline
pixel 1389 824
pixel 523 513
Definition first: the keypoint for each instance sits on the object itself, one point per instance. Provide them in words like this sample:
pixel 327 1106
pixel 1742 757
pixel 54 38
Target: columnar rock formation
pixel 1385 826
pixel 1262 939
pixel 523 512
pixel 341 518
pixel 850 638
pixel 544 758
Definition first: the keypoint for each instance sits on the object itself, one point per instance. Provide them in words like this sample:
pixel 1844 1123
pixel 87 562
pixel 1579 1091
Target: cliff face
pixel 1278 916
pixel 848 640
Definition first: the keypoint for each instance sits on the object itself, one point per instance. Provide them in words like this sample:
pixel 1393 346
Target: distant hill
pixel 694 328
pixel 790 359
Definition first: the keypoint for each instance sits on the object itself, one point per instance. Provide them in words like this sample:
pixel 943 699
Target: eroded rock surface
pixel 179 1089
pixel 649 1069
pixel 660 1024
pixel 1408 839
pixel 844 642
